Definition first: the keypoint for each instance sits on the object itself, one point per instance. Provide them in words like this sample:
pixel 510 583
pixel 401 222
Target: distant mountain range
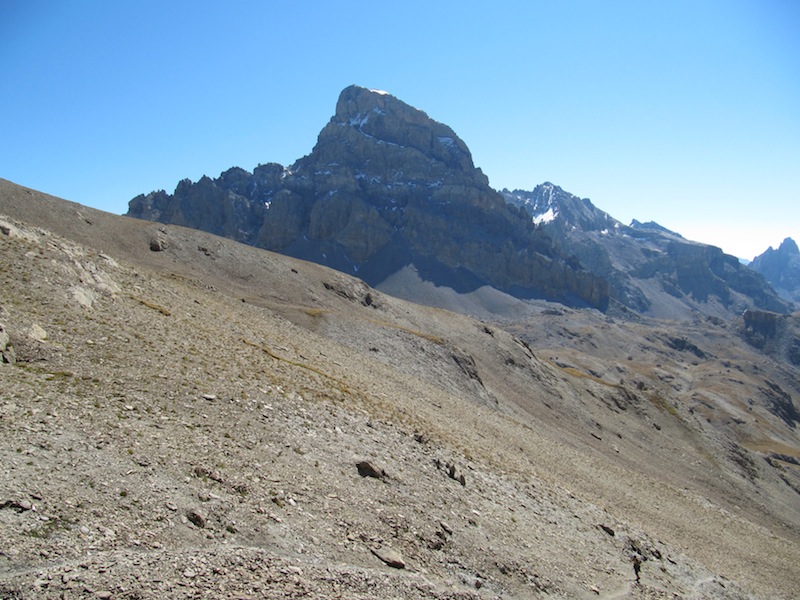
pixel 392 196
pixel 650 269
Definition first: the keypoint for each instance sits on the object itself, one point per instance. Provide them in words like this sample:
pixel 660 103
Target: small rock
pixel 367 469
pixel 209 397
pixel 103 594
pixel 37 333
pixel 390 557
pixel 157 244
pixel 7 354
pixel 607 529
pixel 196 518
pixel 447 529
pixel 171 506
pixel 190 573
pixel 17 505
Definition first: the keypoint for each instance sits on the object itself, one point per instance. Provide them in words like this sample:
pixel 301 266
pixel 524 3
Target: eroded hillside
pixel 184 416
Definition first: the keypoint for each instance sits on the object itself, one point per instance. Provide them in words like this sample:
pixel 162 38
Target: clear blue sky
pixel 682 112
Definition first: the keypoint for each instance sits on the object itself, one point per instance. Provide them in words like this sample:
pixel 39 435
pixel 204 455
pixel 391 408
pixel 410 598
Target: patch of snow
pixel 381 92
pixel 268 204
pixel 371 178
pixel 359 120
pixel 446 140
pixel 604 232
pixel 326 172
pixel 545 217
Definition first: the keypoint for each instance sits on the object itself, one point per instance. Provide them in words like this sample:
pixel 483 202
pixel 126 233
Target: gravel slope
pixel 188 422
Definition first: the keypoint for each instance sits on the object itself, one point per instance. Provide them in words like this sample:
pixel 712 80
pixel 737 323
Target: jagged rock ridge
pixel 781 268
pixel 385 187
pixel 650 269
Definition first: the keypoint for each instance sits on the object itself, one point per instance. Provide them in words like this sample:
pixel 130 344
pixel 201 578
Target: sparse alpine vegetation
pixel 212 419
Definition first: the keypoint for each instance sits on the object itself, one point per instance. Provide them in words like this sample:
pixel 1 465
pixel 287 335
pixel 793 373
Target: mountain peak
pixel 789 246
pixel 385 187
pixel 781 268
pixel 385 119
pixel 355 100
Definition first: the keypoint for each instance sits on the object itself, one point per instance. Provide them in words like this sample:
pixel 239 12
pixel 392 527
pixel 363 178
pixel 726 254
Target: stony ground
pixel 184 417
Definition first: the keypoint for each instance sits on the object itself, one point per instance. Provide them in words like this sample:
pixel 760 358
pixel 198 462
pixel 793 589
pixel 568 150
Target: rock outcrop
pixel 7 354
pixel 385 187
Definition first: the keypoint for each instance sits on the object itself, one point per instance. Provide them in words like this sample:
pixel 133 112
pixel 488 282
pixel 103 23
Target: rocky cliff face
pixel 385 187
pixel 650 269
pixel 781 268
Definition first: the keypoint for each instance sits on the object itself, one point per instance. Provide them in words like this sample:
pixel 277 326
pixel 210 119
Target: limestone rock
pixel 197 518
pixel 37 332
pixel 367 469
pixel 7 354
pixel 390 557
pixel 158 244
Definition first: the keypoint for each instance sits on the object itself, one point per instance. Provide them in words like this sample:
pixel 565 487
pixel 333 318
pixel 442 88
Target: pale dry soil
pixel 187 423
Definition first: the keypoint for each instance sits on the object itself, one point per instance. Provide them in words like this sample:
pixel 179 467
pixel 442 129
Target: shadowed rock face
pixel 385 186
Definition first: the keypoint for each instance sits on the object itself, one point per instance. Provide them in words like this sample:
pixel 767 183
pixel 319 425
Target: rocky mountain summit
pixel 182 415
pixel 386 188
pixel 392 196
pixel 650 269
pixel 781 268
